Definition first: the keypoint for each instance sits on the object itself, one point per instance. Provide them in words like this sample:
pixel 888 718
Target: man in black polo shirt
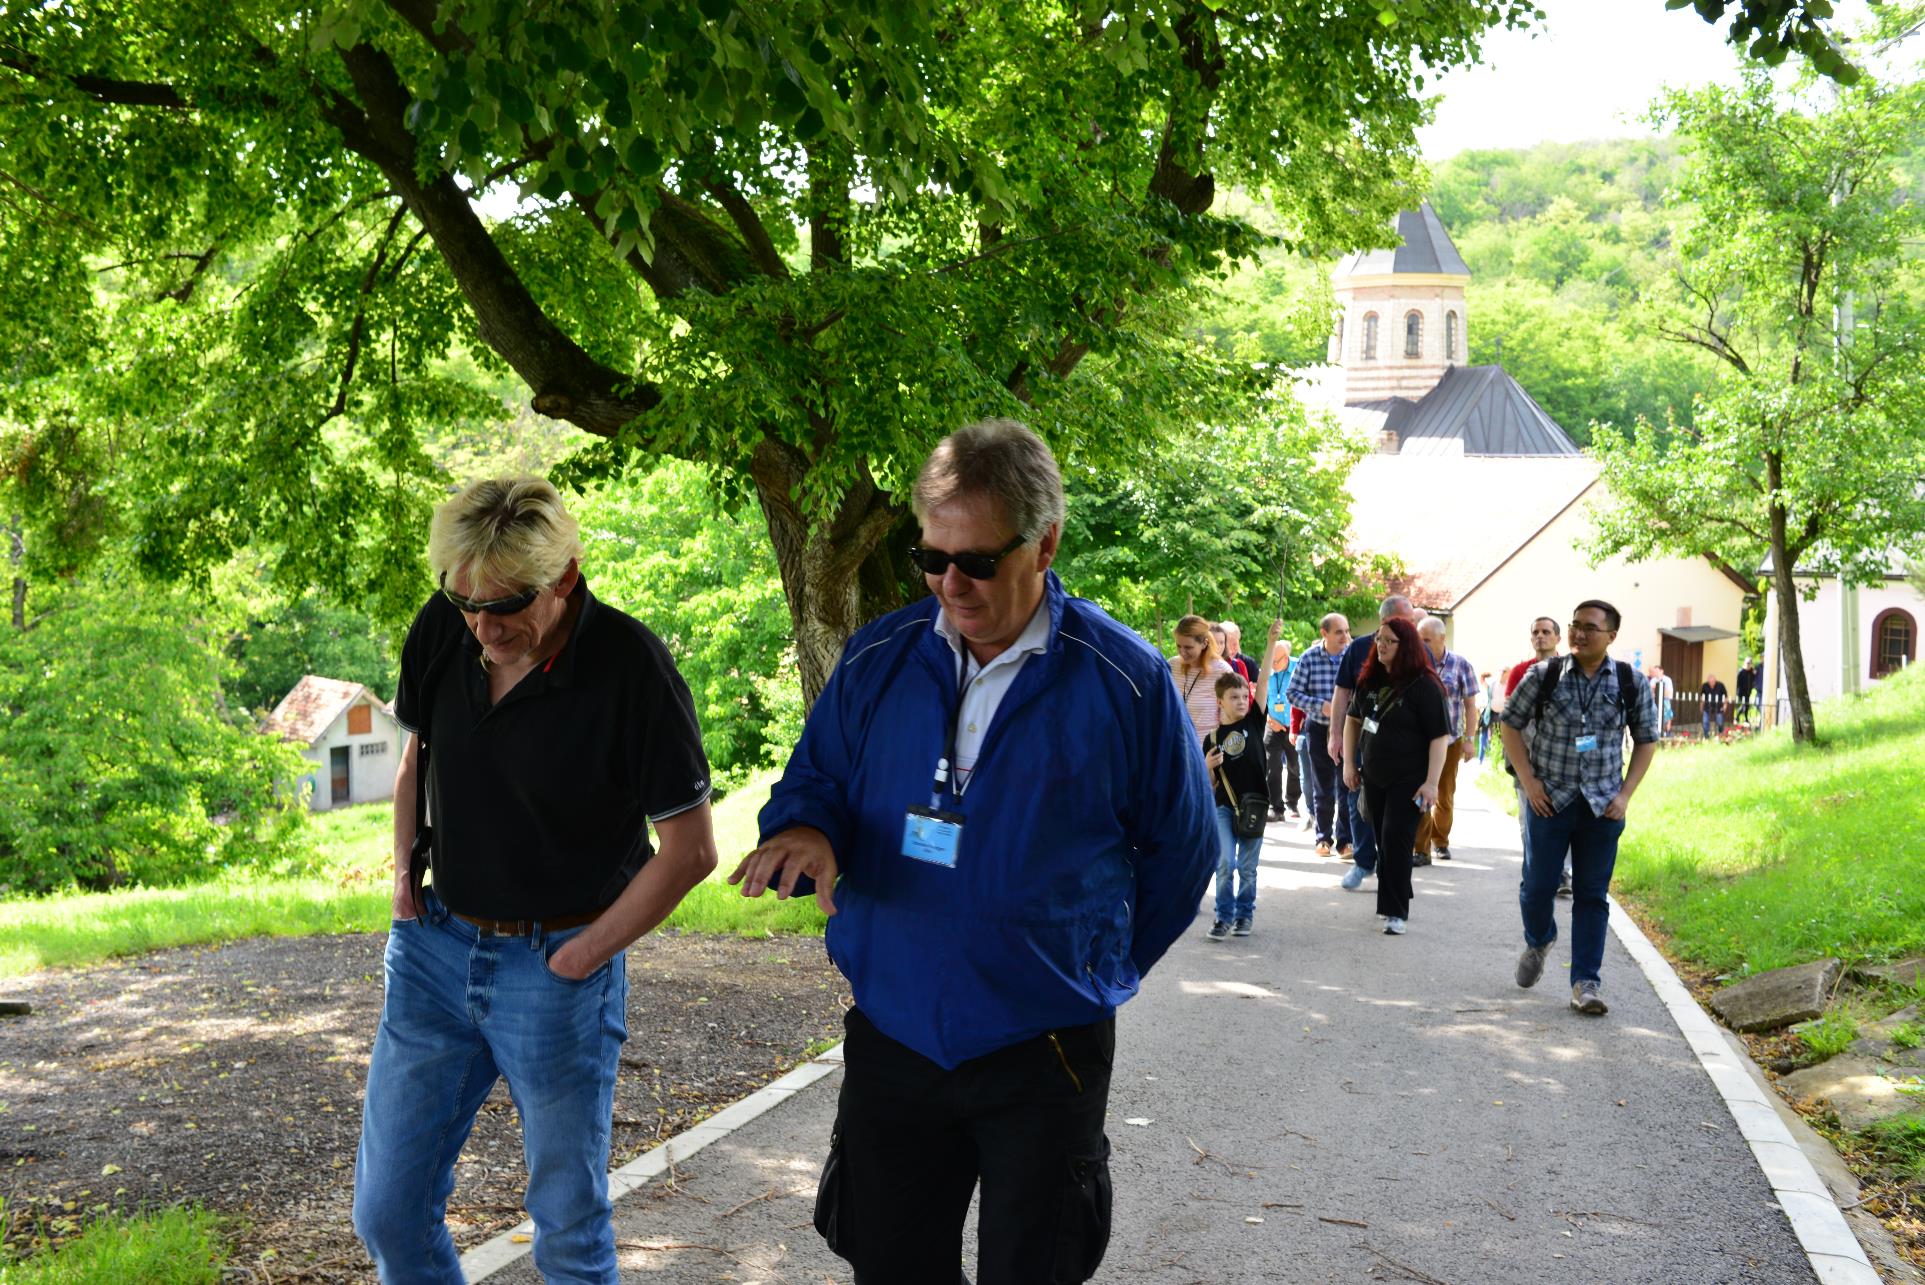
pixel 553 730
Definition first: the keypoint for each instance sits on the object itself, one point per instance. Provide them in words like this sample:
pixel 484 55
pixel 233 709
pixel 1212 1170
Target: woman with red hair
pixel 1394 741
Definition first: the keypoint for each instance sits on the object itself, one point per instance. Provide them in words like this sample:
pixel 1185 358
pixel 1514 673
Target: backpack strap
pixel 1627 690
pixel 1545 688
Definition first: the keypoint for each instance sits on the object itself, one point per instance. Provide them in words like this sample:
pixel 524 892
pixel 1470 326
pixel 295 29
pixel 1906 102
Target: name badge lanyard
pixel 948 769
pixel 1590 691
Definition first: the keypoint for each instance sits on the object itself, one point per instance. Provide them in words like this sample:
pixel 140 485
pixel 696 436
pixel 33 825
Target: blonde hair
pixel 508 531
pixel 1198 627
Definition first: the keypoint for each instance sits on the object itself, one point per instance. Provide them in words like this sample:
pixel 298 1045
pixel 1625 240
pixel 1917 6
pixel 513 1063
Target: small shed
pixel 347 733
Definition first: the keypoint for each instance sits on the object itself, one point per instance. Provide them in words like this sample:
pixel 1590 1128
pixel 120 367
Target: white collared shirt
pixel 988 684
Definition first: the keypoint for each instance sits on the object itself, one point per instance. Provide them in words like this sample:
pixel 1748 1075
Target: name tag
pixel 1585 744
pixel 1370 725
pixel 933 836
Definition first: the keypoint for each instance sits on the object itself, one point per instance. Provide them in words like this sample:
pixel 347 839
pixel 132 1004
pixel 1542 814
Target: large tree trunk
pixel 837 577
pixel 1804 729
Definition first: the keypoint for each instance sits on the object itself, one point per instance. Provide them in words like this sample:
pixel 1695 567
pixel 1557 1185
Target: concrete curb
pixel 1836 1256
pixel 490 1257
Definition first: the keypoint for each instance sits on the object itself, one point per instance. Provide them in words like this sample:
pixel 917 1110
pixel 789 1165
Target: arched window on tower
pixel 1413 334
pixel 1450 336
pixel 1894 641
pixel 1370 336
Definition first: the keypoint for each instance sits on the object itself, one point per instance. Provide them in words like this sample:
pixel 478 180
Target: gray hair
pixel 510 531
pixel 1003 460
pixel 1431 625
pixel 1394 607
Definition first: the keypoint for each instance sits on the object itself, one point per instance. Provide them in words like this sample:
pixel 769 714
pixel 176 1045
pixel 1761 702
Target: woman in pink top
pixel 1194 668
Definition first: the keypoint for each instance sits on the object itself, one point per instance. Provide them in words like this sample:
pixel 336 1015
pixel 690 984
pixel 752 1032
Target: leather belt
pixel 526 927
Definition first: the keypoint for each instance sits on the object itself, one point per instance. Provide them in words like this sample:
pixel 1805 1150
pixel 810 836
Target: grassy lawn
pixel 1758 855
pixel 343 887
pixel 171 1247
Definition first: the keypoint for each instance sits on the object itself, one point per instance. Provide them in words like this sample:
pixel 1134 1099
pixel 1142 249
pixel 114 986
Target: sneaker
pixel 1323 847
pixel 1585 999
pixel 1564 888
pixel 1292 814
pixel 1394 927
pixel 1442 854
pixel 1343 850
pixel 1353 878
pixel 1273 815
pixel 1530 964
pixel 1308 821
pixel 1419 859
pixel 1241 928
pixel 1219 930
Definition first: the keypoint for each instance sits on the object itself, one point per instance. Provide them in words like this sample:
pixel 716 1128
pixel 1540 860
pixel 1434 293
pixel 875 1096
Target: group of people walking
pixel 1367 733
pixel 1004 805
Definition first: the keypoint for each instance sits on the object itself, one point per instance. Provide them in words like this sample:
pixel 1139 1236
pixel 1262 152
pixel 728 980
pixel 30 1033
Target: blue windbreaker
pixel 1089 830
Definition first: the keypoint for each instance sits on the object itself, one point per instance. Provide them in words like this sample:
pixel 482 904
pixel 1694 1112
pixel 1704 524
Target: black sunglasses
pixel 493 607
pixel 977 566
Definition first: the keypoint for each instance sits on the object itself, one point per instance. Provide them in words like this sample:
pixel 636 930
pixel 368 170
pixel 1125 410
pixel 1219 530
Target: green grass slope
pixel 1762 854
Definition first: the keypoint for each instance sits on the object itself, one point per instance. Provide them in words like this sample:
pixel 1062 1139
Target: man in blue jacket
pixel 1006 785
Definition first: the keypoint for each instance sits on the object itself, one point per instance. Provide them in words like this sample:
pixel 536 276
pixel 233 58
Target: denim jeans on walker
pixel 1236 860
pixel 1592 842
pixel 461 1010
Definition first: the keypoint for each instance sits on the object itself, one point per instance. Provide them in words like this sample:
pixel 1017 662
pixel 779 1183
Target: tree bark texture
pixel 1784 584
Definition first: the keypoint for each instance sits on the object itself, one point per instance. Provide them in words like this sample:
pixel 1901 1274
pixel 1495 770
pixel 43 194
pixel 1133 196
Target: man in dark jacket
pixel 1007 786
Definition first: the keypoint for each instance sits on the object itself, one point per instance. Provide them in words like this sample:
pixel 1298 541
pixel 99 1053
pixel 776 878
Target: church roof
pixel 1409 508
pixel 1425 248
pixel 1480 406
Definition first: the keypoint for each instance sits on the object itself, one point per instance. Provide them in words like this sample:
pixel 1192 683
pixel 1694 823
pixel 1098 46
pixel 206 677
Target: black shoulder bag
pixel 1251 812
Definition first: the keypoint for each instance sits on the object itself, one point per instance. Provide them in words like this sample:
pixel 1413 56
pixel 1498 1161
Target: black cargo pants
pixel 912 1141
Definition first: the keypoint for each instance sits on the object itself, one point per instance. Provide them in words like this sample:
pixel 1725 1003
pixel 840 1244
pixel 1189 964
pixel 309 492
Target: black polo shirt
pixel 539 804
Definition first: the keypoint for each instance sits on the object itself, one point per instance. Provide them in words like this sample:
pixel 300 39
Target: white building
pixel 1482 496
pixel 347 733
pixel 1851 637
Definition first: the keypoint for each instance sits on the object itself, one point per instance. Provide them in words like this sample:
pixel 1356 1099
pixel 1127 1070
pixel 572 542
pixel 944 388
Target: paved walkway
pixel 1321 1102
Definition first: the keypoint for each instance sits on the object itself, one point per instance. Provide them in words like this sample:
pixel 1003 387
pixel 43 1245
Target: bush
pixel 119 762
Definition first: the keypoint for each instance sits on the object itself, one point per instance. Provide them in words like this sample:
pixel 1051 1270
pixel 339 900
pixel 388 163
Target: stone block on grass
pixel 1862 1090
pixel 1779 997
pixel 1906 973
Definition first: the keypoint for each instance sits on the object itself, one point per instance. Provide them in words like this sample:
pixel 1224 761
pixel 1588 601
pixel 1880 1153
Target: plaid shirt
pixel 1315 680
pixel 1460 684
pixel 1578 707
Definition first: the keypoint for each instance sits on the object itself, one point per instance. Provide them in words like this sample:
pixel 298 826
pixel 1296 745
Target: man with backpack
pixel 1572 776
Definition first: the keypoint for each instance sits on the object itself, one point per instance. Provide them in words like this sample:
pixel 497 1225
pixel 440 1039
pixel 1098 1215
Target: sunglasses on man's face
pixel 977 566
pixel 494 606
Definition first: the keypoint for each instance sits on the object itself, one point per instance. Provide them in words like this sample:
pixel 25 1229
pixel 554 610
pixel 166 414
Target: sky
pixel 1589 70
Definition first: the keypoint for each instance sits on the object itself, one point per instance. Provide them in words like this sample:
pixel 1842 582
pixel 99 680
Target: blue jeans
pixel 462 1010
pixel 1236 861
pixel 1363 840
pixel 1708 718
pixel 1592 843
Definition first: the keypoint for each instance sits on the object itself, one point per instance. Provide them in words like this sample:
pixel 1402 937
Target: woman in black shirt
pixel 1394 741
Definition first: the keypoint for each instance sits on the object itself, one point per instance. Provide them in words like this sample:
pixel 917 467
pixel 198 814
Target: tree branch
pixel 185 290
pixel 747 222
pixel 104 89
pixel 568 383
pixel 359 326
pixel 420 15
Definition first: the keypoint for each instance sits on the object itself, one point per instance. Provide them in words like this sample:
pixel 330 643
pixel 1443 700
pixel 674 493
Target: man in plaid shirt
pixel 1572 775
pixel 1460 692
pixel 1309 690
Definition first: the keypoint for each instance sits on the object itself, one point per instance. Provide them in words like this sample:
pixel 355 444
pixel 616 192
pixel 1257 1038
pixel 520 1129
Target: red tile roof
pixel 311 708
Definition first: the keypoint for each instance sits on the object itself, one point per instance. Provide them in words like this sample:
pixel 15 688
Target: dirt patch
pixel 232 1077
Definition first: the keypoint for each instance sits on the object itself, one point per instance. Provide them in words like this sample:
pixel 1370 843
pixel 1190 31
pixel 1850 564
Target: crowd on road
pixel 1360 740
pixel 1007 804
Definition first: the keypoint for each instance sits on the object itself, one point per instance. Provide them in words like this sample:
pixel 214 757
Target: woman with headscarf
pixel 1194 669
pixel 1394 741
